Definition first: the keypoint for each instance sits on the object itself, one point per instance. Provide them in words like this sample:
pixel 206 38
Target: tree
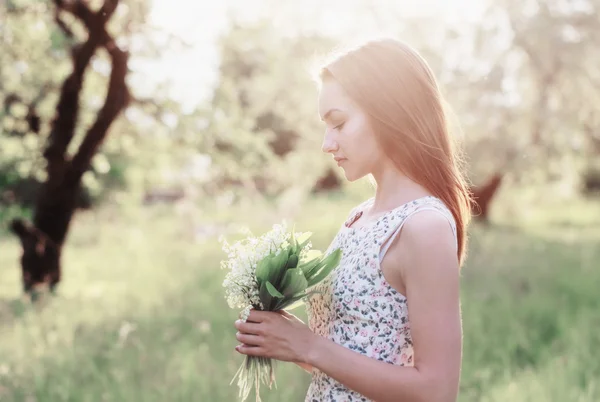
pixel 265 128
pixel 541 93
pixel 42 241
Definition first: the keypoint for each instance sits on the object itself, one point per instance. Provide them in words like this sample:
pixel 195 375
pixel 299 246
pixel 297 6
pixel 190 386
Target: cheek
pixel 354 135
pixel 359 139
pixel 374 150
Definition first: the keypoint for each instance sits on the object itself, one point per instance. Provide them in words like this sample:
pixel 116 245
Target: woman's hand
pixel 277 335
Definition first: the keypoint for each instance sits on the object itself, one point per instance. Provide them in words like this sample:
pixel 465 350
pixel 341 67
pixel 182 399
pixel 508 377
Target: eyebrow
pixel 326 116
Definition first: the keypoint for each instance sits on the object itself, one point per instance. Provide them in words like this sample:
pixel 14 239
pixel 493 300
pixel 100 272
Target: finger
pixel 249 339
pixel 258 316
pixel 248 327
pixel 251 350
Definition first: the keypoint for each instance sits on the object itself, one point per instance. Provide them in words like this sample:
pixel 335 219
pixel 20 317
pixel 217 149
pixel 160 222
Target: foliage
pixel 164 332
pixel 520 82
pixel 34 39
pixel 527 90
pixel 265 127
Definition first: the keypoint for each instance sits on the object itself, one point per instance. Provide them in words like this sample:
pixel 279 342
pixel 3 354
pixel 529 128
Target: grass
pixel 140 315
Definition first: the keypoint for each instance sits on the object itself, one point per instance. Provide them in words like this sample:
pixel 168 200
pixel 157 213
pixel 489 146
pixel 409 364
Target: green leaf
pixel 303 240
pixel 333 259
pixel 279 261
pixel 268 270
pixel 294 243
pixel 293 305
pixel 292 261
pixel 319 276
pixel 265 298
pixel 310 254
pixel 328 265
pixel 293 282
pixel 262 270
pixel 286 303
pixel 278 267
pixel 293 302
pixel 310 264
pixel 272 291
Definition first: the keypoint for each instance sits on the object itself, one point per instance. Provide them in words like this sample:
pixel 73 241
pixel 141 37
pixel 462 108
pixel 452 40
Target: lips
pixel 339 160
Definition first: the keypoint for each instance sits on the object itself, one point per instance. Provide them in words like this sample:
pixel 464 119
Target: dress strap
pixel 425 204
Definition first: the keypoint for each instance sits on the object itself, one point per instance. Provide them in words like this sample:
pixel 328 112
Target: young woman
pixel 387 324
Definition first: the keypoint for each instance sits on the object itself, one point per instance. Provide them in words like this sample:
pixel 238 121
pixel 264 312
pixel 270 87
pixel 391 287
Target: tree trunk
pixel 483 196
pixel 42 242
pixel 56 201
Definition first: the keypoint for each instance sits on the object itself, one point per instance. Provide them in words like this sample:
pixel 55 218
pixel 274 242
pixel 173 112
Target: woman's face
pixel 348 135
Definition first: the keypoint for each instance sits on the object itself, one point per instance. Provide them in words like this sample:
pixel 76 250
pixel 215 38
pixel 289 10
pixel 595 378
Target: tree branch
pixel 116 100
pixel 117 97
pixel 61 24
pixel 63 125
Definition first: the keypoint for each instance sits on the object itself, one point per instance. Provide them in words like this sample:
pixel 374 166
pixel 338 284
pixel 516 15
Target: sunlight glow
pixel 192 72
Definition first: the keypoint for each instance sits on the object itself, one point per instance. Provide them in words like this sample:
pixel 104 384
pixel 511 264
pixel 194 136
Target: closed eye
pixel 339 126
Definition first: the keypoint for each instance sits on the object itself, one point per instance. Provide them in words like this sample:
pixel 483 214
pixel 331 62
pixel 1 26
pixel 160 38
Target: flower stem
pixel 253 372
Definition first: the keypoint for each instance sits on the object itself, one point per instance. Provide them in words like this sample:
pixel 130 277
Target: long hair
pixel 395 86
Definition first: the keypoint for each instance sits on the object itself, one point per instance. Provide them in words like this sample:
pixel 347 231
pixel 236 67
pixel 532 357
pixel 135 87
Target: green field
pixel 141 316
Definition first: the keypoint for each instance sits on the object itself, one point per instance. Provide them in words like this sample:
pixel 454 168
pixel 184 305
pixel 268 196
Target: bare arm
pixel 425 258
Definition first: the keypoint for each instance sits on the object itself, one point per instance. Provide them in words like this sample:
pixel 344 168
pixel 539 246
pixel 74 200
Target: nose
pixel 329 144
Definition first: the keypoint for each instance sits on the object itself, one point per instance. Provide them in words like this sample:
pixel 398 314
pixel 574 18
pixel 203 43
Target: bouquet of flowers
pixel 270 273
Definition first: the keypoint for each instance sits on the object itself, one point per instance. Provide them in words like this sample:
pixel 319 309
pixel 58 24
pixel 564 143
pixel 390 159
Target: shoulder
pixel 427 245
pixel 427 229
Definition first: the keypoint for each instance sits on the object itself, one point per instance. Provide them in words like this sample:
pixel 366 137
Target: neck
pixel 394 189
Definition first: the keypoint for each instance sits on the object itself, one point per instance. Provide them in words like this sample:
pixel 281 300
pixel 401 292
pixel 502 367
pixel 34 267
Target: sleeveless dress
pixel 356 307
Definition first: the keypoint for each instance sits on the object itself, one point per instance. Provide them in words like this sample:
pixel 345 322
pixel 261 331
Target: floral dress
pixel 355 306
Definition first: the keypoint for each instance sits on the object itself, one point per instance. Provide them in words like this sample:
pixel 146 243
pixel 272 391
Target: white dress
pixel 357 308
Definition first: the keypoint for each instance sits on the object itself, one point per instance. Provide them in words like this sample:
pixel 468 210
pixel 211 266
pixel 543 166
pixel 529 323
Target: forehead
pixel 333 96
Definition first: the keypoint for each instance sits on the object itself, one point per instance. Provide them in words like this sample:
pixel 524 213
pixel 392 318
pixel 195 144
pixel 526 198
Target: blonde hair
pixel 396 88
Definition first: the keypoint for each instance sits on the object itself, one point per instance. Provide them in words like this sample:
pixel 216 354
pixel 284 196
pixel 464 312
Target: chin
pixel 352 176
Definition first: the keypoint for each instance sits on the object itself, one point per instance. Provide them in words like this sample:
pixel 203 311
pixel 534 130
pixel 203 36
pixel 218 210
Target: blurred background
pixel 134 133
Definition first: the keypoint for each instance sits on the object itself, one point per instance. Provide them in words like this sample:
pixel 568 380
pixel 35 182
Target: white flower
pixel 245 313
pixel 241 286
